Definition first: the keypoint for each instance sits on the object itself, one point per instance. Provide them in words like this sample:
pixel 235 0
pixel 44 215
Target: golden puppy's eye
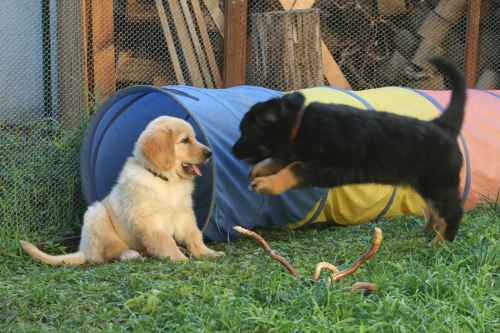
pixel 185 140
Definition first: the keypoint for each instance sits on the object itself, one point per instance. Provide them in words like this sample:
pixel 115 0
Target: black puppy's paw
pixel 266 185
pixel 266 167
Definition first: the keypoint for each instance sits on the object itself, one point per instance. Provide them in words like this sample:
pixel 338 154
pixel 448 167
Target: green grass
pixel 39 181
pixel 453 289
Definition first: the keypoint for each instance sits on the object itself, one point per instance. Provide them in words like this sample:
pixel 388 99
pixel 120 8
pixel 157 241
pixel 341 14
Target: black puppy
pixel 329 145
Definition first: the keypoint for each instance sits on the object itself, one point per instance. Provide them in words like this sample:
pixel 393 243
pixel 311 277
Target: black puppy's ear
pixel 293 101
pixel 268 112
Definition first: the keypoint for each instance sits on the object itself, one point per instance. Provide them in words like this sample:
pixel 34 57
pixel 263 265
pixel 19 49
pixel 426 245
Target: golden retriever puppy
pixel 149 210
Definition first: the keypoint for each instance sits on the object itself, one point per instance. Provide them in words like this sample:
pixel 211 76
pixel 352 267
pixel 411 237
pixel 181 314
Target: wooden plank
pixel 169 40
pixel 72 77
pixel 216 14
pixel 104 72
pixel 102 23
pixel 297 4
pixel 103 49
pixel 186 45
pixel 88 62
pixel 99 50
pixel 235 42
pixel 207 77
pixel 333 73
pixel 139 70
pixel 472 42
pixel 206 43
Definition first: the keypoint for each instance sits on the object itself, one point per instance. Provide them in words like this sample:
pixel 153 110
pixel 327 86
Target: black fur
pixel 338 145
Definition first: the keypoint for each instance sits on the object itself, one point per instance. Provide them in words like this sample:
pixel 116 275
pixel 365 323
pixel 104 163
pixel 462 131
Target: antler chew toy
pixel 262 242
pixel 335 274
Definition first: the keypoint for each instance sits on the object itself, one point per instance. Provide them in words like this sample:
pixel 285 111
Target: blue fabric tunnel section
pixel 222 198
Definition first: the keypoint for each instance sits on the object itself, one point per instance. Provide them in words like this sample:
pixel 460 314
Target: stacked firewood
pixel 388 42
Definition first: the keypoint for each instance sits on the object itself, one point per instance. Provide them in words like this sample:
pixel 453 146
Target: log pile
pixel 388 42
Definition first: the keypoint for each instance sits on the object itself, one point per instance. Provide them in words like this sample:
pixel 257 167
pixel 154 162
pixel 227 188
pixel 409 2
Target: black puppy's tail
pixel 453 117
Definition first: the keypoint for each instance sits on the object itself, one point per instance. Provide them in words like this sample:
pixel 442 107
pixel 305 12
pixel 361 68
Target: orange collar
pixel 296 124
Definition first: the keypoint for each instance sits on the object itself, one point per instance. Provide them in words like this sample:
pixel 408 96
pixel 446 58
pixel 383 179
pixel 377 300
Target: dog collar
pixel 154 173
pixel 296 124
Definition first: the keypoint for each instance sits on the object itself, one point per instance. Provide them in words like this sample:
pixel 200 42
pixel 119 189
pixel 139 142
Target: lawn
pixel 39 181
pixel 453 289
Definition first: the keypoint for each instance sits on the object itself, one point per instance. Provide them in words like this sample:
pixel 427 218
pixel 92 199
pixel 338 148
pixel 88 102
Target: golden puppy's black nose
pixel 207 153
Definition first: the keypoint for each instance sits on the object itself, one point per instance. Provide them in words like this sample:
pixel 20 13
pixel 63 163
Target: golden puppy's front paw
pixel 214 254
pixel 130 255
pixel 178 258
pixel 266 185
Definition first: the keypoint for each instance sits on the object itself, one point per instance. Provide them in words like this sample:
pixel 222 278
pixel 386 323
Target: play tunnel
pixel 222 198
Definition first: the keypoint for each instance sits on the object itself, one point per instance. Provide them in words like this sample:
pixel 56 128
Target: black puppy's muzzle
pixel 239 149
pixel 250 153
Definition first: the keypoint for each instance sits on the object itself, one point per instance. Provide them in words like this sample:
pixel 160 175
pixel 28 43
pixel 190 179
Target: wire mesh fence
pixel 68 56
pixel 373 43
pixel 39 183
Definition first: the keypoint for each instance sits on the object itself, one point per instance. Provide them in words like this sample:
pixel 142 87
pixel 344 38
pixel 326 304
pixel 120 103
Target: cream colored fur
pixel 144 214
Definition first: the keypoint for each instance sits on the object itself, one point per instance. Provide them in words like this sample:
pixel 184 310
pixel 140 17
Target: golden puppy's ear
pixel 158 148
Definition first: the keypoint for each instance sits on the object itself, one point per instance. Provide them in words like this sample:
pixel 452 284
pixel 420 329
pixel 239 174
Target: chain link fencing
pixel 373 43
pixel 61 59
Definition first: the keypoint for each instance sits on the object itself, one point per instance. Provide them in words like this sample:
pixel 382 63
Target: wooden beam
pixel 214 68
pixel 169 40
pixel 197 46
pixel 72 90
pixel 297 4
pixel 235 42
pixel 472 43
pixel 186 43
pixel 99 49
pixel 286 50
pixel 216 14
pixel 103 48
pixel 333 74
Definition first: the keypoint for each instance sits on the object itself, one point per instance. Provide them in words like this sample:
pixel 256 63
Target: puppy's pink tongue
pixel 196 170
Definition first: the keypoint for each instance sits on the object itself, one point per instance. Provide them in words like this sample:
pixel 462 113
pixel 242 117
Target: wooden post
pixel 186 43
pixel 333 73
pixel 169 40
pixel 286 49
pixel 71 59
pixel 216 14
pixel 472 43
pixel 235 42
pixel 207 44
pixel 100 49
